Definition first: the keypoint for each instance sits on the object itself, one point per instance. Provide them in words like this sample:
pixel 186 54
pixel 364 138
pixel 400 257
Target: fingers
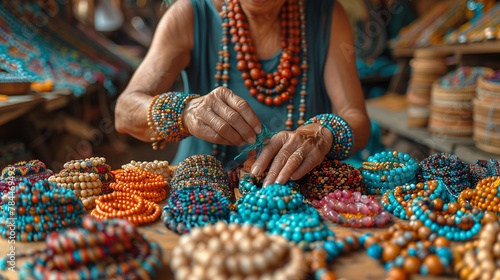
pixel 280 160
pixel 236 121
pixel 293 162
pixel 268 152
pixel 222 129
pixel 212 136
pixel 243 108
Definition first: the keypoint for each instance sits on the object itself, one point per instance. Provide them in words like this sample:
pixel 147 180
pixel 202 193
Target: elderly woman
pixel 256 64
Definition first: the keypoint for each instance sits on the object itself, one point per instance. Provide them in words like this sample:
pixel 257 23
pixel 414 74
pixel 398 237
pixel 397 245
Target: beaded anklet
pixel 101 250
pixel 85 186
pixel 447 168
pixel 351 209
pixel 410 249
pixel 329 176
pixel 484 196
pixel 343 139
pixel 143 183
pixel 483 169
pixel 40 208
pixel 237 251
pixel 96 165
pixel 479 259
pixel 13 175
pixel 131 207
pixel 386 170
pixel 165 117
pixel 156 167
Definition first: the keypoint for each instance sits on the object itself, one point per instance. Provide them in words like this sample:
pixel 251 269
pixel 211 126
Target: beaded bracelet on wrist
pixel 237 251
pixel 156 167
pixel 478 259
pixel 101 250
pixel 386 170
pixel 483 169
pixel 485 196
pixel 165 117
pixel 410 249
pixel 329 176
pixel 143 183
pixel 39 208
pixel 447 168
pixel 351 209
pixel 343 139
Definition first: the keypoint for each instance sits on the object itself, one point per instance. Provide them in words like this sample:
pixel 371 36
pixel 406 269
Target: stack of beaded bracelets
pixel 484 196
pixel 329 176
pixel 12 175
pixel 386 170
pixel 156 167
pixel 126 206
pixel 447 168
pixel 101 250
pixel 40 208
pixel 95 165
pixel 85 186
pixel 236 251
pixel 410 249
pixel 143 183
pixel 165 117
pixel 343 139
pixel 482 169
pixel 479 259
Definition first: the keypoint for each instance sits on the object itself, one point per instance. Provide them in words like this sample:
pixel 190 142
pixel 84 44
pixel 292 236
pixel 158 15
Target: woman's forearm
pixel 131 115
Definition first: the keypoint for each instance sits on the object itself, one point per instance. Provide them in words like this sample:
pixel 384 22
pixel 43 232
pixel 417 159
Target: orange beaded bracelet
pixel 143 183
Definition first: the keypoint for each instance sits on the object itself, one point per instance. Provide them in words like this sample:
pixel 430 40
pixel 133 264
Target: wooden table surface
pixel 355 265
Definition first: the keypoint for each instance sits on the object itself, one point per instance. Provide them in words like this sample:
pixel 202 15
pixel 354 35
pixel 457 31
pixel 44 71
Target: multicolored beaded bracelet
pixel 483 169
pixel 351 209
pixel 143 183
pixel 236 251
pixel 329 176
pixel 410 249
pixel 447 168
pixel 484 196
pixel 39 209
pixel 343 139
pixel 12 175
pixel 478 259
pixel 386 170
pixel 165 117
pixel 96 165
pixel 191 207
pixel 101 250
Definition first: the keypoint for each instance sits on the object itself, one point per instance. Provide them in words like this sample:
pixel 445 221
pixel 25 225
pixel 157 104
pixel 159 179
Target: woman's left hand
pixel 293 153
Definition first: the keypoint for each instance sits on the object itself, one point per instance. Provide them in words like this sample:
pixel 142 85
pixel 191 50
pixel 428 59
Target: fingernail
pixel 279 180
pixel 256 171
pixel 242 143
pixel 252 140
pixel 265 184
pixel 257 129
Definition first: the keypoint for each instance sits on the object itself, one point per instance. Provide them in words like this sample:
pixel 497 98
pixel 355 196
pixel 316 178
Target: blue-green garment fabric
pixel 201 71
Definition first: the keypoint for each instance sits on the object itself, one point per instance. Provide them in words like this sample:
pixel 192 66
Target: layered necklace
pixel 272 89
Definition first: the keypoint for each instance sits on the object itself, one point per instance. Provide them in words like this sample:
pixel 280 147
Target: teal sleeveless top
pixel 201 71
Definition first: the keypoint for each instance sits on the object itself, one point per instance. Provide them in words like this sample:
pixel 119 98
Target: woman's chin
pixel 259 1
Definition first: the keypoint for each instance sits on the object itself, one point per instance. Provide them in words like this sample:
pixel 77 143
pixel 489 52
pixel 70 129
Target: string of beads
pixel 447 168
pixel 85 186
pixel 143 183
pixel 96 165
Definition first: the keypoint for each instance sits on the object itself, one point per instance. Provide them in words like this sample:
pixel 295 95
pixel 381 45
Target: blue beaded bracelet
pixel 343 138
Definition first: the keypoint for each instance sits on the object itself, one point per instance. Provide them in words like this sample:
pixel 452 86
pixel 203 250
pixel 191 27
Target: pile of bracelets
pixel 269 203
pixel 343 139
pixel 306 230
pixel 249 183
pixel 124 205
pixel 329 176
pixel 446 219
pixel 386 170
pixel 479 259
pixel 100 250
pixel 484 196
pixel 202 171
pixel 400 198
pixel 234 251
pixel 351 209
pixel 482 169
pixel 85 186
pixel 165 117
pixel 96 165
pixel 410 249
pixel 159 167
pixel 191 207
pixel 447 168
pixel 36 209
pixel 143 183
pixel 12 175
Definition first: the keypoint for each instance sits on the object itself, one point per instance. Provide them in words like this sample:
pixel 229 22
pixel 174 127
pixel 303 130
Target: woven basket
pixel 487 85
pixel 14 88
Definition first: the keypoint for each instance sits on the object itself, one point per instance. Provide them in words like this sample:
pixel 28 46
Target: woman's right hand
pixel 221 117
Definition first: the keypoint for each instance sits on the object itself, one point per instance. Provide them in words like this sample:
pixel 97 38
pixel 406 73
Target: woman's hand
pixel 221 117
pixel 293 153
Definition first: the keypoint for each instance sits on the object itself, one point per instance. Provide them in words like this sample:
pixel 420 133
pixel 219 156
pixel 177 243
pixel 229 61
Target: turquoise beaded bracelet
pixel 343 138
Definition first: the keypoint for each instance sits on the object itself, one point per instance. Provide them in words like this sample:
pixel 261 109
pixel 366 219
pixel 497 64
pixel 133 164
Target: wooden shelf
pixel 483 47
pixel 396 122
